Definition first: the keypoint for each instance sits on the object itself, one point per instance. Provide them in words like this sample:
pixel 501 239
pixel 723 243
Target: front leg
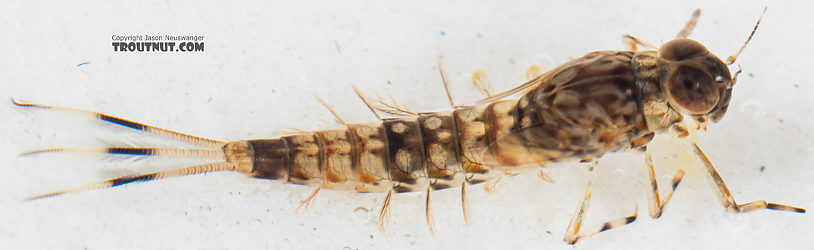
pixel 572 234
pixel 654 202
pixel 725 197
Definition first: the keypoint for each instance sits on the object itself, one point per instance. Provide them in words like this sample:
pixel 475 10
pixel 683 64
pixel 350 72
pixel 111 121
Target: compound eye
pixel 693 90
pixel 680 49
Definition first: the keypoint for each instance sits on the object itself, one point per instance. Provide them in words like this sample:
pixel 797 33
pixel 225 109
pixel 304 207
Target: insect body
pixel 602 102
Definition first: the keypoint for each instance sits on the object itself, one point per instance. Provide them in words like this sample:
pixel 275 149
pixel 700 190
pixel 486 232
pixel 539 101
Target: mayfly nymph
pixel 604 101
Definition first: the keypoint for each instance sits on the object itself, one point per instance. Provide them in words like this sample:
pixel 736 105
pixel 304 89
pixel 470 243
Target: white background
pixel 264 63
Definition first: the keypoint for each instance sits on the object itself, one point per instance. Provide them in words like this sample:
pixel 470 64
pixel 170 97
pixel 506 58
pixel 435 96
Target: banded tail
pixel 212 149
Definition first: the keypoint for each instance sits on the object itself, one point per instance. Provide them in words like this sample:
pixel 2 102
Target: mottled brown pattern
pixel 370 157
pixel 406 147
pixel 602 102
pixel 582 109
pixel 339 168
pixel 442 151
pixel 472 128
pixel 306 159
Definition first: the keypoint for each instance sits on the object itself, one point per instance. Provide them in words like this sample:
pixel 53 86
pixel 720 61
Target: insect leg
pixel 200 141
pixel 725 197
pixel 655 204
pixel 687 30
pixel 572 234
pixel 118 181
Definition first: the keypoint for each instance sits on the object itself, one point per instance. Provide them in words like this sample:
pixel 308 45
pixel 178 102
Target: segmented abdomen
pixel 567 116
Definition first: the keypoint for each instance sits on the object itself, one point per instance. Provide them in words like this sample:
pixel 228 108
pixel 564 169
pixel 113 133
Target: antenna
pixel 731 59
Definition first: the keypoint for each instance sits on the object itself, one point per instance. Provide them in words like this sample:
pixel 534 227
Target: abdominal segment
pixel 438 149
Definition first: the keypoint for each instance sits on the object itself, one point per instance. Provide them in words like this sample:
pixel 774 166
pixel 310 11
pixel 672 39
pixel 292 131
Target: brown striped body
pixel 602 102
pixel 580 110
